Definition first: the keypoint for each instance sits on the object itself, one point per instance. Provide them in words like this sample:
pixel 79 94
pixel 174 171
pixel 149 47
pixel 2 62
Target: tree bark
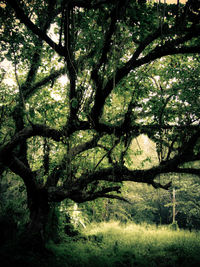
pixel 41 227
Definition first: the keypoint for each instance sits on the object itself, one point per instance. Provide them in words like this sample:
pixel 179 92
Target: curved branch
pixel 169 48
pixel 115 197
pixel 51 77
pixel 85 146
pixel 19 168
pixel 120 173
pixel 189 171
pixel 30 25
pixel 80 196
pixel 34 130
pixel 102 194
pixel 53 178
pixel 105 49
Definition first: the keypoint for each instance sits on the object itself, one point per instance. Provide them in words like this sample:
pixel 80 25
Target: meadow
pixel 114 244
pixel 110 244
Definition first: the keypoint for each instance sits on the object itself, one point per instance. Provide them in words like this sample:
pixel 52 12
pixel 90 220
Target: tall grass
pixel 112 244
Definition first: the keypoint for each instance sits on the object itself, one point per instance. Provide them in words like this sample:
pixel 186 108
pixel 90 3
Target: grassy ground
pixel 112 244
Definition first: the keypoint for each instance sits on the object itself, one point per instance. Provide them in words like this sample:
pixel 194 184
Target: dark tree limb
pixel 105 49
pixel 115 197
pixel 56 135
pixel 121 173
pixel 70 59
pixel 19 168
pixel 34 28
pixel 57 172
pixel 43 82
pixel 23 135
pixel 189 170
pixel 171 47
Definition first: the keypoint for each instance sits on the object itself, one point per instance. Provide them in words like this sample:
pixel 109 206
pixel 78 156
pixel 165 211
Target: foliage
pixel 13 208
pixel 87 80
pixel 149 205
pixel 187 203
pixel 174 226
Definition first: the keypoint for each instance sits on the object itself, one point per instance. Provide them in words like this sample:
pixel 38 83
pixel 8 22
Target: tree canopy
pixel 90 77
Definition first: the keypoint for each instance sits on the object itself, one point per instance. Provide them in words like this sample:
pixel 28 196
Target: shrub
pixel 174 226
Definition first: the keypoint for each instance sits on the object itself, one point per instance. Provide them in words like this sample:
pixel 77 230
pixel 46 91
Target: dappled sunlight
pixel 143 152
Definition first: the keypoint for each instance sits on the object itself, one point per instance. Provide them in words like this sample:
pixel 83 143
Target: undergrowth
pixel 113 244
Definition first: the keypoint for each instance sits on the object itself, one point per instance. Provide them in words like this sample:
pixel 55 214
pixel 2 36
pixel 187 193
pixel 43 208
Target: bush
pixel 174 226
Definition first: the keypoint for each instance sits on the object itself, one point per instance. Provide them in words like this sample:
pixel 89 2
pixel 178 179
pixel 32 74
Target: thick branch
pixel 35 62
pixel 19 168
pixel 70 58
pixel 88 4
pixel 169 48
pixel 105 49
pixel 120 173
pixel 114 16
pixel 34 130
pixel 29 24
pixel 78 195
pixel 115 197
pixel 108 36
pixel 189 171
pixel 53 178
pixel 43 82
pixel 137 129
pixel 100 194
pixel 83 147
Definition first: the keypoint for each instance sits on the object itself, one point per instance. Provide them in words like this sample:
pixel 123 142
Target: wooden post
pixel 174 205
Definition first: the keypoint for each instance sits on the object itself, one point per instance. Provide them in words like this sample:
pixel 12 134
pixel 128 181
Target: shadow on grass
pixel 111 244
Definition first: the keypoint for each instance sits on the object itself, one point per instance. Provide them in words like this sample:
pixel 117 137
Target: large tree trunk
pixel 42 225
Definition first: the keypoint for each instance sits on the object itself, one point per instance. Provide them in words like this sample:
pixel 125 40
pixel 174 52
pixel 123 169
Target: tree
pixel 73 140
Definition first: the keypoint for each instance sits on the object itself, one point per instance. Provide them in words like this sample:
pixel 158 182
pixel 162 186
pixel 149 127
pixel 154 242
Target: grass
pixel 145 245
pixel 113 244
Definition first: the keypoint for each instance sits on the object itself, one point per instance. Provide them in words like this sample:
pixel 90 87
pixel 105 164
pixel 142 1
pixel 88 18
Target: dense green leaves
pixel 89 82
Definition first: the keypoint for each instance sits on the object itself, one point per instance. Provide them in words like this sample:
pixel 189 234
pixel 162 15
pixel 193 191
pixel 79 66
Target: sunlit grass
pixel 111 244
pixel 147 245
pixel 114 244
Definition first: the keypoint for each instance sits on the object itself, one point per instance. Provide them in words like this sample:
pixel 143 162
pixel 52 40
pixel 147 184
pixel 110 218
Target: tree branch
pixel 30 25
pixel 169 48
pixel 189 171
pixel 43 82
pixel 121 173
pixel 19 168
pixel 70 58
pixel 53 178
pixel 115 197
pixel 23 135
